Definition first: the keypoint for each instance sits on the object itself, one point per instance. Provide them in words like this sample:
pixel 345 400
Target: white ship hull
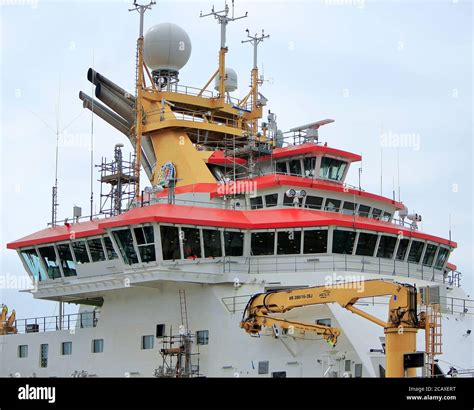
pixel 134 311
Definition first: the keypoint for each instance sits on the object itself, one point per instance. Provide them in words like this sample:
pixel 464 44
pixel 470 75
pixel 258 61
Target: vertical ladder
pixel 184 310
pixel 432 336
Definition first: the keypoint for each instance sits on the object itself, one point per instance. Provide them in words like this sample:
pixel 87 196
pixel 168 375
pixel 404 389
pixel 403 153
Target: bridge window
pixel 96 250
pixel 295 167
pixel 67 262
pixel 376 213
pixel 309 164
pixel 191 243
pixel 271 200
pixel 49 258
pixel 212 243
pixel 315 241
pixel 366 244
pixel 146 243
pixel 429 254
pixel 416 250
pixel 332 168
pixel 33 262
pixel 387 216
pixel 364 211
pixel 233 243
pixel 289 243
pixel 170 242
pixel 124 240
pixel 314 202
pixel 343 242
pixel 109 248
pixel 386 246
pixel 281 168
pixel 256 203
pixel 442 257
pixel 402 249
pixel 287 201
pixel 263 243
pixel 80 251
pixel 332 205
pixel 348 208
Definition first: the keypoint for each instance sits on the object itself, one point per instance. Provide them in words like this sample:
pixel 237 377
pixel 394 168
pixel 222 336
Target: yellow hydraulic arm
pixel 400 328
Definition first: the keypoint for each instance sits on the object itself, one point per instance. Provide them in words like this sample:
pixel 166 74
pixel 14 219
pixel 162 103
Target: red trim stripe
pixel 189 215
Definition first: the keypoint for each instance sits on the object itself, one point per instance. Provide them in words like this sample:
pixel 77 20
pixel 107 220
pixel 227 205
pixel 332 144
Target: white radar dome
pixel 230 82
pixel 166 47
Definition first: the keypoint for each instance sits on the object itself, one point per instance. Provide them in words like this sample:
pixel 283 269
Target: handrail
pixel 236 304
pixel 52 323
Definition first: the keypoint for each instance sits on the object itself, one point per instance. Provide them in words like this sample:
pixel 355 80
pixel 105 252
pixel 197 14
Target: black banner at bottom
pixel 238 393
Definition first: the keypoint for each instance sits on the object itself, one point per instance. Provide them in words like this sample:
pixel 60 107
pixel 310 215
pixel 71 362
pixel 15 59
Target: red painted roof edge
pixel 23 242
pixel 309 148
pixel 231 219
pixel 268 181
pixel 218 158
pixel 451 266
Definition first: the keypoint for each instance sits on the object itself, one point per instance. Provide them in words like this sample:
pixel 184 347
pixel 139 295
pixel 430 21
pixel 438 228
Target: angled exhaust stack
pixel 96 78
pixel 107 115
pixel 116 103
pixel 118 111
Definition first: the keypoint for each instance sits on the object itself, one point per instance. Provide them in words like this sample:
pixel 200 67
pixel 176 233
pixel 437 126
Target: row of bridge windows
pixel 321 203
pixel 138 245
pixel 330 168
pixel 348 243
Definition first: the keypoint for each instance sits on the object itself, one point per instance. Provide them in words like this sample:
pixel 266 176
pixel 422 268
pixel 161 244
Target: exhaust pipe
pixel 121 125
pixel 96 78
pixel 115 102
pixel 107 115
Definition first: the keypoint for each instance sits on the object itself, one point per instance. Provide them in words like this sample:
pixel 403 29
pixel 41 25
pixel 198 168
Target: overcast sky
pixel 381 69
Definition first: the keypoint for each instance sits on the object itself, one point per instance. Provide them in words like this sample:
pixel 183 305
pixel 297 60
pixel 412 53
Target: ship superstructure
pixel 233 207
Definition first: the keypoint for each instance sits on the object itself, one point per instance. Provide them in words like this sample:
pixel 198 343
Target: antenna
pixel 92 146
pixel 223 19
pixel 255 41
pixel 141 8
pixel 54 199
pixel 398 172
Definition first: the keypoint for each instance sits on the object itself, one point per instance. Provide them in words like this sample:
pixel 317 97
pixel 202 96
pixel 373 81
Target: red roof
pixel 451 266
pixel 58 233
pixel 269 181
pixel 212 217
pixel 218 158
pixel 310 148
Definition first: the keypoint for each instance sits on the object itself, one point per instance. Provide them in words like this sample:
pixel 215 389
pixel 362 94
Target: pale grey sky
pixel 376 67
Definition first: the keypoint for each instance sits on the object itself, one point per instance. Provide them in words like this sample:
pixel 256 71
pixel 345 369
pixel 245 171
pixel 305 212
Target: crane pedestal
pixel 399 341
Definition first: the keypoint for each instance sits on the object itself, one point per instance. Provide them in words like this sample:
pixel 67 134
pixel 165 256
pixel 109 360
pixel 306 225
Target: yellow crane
pixel 7 324
pixel 400 328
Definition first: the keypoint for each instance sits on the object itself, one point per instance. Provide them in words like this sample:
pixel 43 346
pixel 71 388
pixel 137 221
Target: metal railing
pixel 335 263
pixel 54 323
pixel 449 305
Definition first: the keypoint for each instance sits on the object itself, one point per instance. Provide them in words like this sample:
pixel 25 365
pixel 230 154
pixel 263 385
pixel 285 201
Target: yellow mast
pixel 255 41
pixel 141 8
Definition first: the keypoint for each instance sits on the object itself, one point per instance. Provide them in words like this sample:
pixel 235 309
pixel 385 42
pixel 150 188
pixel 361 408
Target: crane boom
pixel 400 327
